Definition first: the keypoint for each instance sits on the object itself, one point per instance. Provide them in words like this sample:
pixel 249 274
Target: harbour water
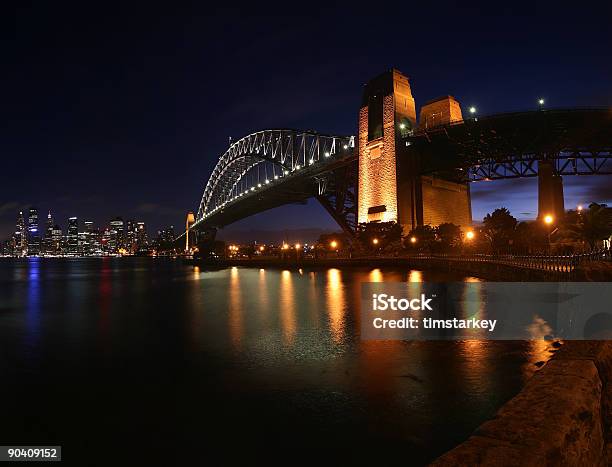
pixel 140 358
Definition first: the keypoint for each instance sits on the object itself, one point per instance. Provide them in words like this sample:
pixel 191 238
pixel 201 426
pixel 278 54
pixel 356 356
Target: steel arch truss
pixel 337 193
pixel 576 162
pixel 262 161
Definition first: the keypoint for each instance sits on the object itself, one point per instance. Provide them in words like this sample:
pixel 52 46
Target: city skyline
pixel 80 237
pixel 129 127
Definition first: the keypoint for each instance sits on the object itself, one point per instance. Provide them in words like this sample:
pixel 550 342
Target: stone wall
pixel 561 417
pixel 445 201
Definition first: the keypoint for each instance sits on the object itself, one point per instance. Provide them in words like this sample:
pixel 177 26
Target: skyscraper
pixel 47 244
pixel 20 237
pixel 73 236
pixel 56 237
pixel 117 235
pixel 33 233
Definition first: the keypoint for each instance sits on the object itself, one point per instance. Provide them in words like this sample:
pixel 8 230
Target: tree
pixel 449 236
pixel 499 229
pixel 529 237
pixel 591 225
pixel 378 235
pixel 421 238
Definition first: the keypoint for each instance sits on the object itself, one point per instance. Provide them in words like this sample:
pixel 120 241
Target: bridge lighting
pixel 345 146
pixel 402 126
pixel 333 244
pixel 259 185
pixel 327 153
pixel 276 177
pixel 286 172
pixel 472 110
pixel 470 235
pixel 311 161
pixel 413 240
pixel 267 181
pixel 548 219
pixel 297 167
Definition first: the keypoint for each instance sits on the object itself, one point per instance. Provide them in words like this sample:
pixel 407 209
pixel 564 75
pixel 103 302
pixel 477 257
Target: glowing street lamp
pixel 375 241
pixel 541 101
pixel 548 219
pixel 470 235
pixel 333 244
pixel 413 240
pixel 297 246
pixel 472 110
pixel 579 207
pixel 262 248
pixel 285 246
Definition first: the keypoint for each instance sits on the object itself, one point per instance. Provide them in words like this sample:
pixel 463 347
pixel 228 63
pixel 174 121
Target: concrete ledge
pixel 561 417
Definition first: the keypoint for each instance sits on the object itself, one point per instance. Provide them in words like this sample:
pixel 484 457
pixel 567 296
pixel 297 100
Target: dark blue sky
pixel 113 110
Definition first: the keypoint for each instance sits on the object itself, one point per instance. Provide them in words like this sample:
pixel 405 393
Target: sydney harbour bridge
pixel 401 169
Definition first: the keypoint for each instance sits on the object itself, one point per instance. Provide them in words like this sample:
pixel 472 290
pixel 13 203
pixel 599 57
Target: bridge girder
pixel 267 169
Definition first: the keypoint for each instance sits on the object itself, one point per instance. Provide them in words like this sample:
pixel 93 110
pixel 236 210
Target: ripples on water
pixel 113 351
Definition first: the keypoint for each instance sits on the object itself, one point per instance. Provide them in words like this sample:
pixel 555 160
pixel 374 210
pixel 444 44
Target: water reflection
pixel 235 308
pixel 335 304
pixel 33 303
pixel 376 275
pixel 287 307
pixel 280 344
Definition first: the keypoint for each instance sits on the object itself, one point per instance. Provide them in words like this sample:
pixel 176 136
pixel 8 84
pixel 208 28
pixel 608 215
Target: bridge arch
pixel 266 160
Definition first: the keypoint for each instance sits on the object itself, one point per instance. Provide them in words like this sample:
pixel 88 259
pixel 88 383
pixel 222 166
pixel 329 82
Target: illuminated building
pixel 47 243
pixel 117 235
pixel 56 240
pixel 33 232
pixel 130 237
pixel 73 237
pixel 20 239
pixel 141 236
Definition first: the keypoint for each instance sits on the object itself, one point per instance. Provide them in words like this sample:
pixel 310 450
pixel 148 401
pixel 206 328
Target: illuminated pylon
pixel 188 223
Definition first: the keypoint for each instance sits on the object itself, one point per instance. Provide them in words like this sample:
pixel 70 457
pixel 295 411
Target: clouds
pixel 520 196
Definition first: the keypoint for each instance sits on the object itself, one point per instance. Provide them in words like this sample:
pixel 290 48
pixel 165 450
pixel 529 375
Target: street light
pixel 413 239
pixel 297 246
pixel 579 207
pixel 333 244
pixel 470 235
pixel 548 220
pixel 375 241
pixel 541 101
pixel 261 248
pixel 472 110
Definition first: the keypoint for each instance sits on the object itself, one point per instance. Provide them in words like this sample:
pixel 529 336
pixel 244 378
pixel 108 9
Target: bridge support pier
pixel 390 186
pixel 550 191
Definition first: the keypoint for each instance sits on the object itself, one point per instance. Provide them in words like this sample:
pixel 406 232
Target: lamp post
pixel 548 220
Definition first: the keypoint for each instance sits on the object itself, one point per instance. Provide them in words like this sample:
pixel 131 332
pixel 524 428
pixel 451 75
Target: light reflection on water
pixel 286 340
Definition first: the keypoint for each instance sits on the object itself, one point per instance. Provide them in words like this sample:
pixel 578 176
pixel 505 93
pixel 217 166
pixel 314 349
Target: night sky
pixel 111 110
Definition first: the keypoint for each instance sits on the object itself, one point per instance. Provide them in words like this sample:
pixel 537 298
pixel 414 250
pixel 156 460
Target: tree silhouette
pixel 590 225
pixel 499 227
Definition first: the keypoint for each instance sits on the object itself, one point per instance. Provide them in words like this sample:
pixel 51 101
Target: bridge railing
pixel 554 263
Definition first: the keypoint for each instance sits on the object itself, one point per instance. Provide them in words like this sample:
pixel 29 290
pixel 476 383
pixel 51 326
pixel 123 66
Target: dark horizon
pixel 125 112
